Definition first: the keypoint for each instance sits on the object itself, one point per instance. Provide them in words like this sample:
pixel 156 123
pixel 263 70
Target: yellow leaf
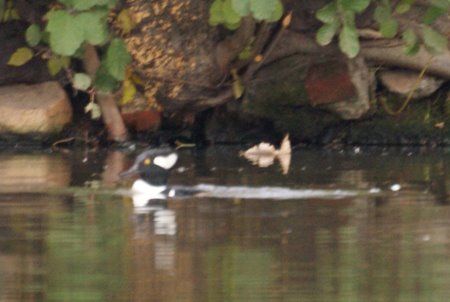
pixel 238 87
pixel 124 21
pixel 128 92
pixel 65 61
pixel 20 56
pixel 54 65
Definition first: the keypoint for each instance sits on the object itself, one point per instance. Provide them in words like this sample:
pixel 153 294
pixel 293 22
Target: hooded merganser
pixel 152 166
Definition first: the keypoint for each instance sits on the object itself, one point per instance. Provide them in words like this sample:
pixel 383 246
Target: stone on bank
pixel 42 109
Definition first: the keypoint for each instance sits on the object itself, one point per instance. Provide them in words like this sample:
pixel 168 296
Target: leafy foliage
pixel 230 12
pixel 95 27
pixel 68 28
pixel 65 34
pixel 104 81
pixel 434 41
pixel 338 17
pixel 117 59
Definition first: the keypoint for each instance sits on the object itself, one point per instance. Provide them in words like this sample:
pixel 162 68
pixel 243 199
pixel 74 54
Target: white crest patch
pixel 166 162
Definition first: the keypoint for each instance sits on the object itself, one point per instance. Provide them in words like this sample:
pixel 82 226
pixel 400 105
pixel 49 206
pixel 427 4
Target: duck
pixel 152 166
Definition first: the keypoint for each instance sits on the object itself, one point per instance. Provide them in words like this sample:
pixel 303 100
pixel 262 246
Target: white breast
pixel 142 192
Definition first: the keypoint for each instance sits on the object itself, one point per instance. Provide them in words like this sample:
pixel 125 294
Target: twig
pixel 62 141
pixel 259 59
pixel 410 94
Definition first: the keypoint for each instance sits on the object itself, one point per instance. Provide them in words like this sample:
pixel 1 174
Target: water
pixel 65 235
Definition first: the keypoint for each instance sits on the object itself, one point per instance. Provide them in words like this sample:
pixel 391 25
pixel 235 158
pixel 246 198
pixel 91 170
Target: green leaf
pixel 117 59
pixel 242 7
pixel 82 5
pixel 246 53
pixel 382 14
pixel 389 28
pixel 357 6
pixel 348 17
pixel 411 42
pixel 66 36
pixel 216 13
pixel 348 41
pixel 108 3
pixel 388 25
pixel 68 3
pixel 277 13
pixel 104 81
pixel 95 26
pixel 262 9
pixel 81 81
pixel 33 35
pixel 325 34
pixel 21 56
pixel 232 26
pixel 404 6
pixel 432 13
pixel 229 14
pixel 434 40
pixel 328 13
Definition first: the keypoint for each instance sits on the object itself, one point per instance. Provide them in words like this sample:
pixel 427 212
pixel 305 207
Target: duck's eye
pixel 147 161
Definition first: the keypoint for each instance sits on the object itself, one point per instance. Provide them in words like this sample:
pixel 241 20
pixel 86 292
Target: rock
pixel 34 109
pixel 403 82
pixel 340 86
pixel 148 120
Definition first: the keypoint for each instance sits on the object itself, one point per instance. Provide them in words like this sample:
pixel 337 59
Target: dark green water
pixel 82 245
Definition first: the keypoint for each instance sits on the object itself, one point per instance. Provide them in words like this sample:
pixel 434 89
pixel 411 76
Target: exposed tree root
pixel 112 119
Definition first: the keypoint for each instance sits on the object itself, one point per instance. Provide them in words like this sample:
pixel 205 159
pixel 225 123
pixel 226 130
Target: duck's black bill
pixel 133 170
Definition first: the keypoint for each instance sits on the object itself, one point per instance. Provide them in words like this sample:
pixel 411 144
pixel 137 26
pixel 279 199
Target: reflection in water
pixel 34 173
pixel 94 247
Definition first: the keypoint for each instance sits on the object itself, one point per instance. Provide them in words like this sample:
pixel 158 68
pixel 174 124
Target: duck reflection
pixel 150 191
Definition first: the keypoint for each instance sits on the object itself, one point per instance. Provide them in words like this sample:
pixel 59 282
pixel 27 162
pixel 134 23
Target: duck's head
pixel 153 165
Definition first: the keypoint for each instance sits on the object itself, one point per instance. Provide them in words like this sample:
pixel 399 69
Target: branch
pixel 222 98
pixel 110 113
pixel 228 50
pixel 394 56
pixel 390 53
pixel 253 68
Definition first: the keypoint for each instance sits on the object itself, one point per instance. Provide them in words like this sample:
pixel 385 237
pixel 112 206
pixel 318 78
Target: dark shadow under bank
pixel 423 123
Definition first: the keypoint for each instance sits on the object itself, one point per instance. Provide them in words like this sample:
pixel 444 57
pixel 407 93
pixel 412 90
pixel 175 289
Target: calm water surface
pixel 63 239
